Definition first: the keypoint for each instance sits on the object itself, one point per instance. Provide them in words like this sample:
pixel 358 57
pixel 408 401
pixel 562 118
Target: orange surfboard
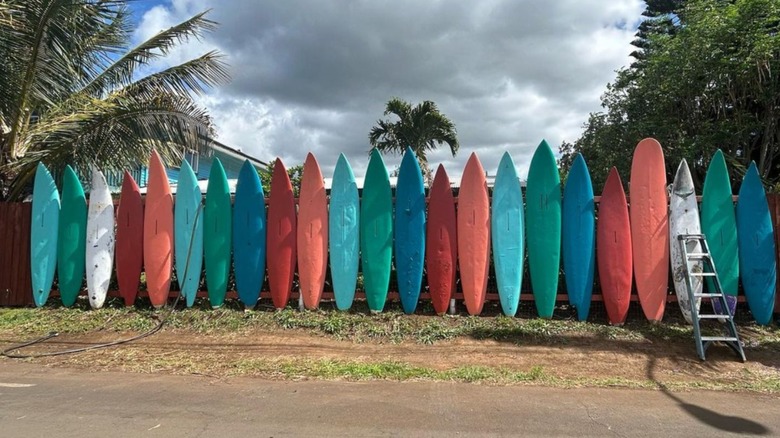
pixel 441 242
pixel 613 249
pixel 312 233
pixel 158 233
pixel 473 235
pixel 650 227
pixel 281 236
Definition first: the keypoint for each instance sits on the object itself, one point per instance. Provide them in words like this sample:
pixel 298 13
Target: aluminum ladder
pixel 716 296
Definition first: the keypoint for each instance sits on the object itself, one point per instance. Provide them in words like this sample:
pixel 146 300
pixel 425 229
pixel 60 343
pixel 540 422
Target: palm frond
pixel 194 76
pixel 120 73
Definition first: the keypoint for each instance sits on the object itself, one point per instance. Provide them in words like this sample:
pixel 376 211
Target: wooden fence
pixel 15 282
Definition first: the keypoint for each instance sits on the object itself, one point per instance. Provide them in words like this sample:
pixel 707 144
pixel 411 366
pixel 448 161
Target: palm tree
pixel 72 91
pixel 423 128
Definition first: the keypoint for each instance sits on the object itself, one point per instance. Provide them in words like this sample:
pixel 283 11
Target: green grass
pixel 356 325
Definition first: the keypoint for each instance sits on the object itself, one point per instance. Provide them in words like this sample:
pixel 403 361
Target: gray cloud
pixel 315 75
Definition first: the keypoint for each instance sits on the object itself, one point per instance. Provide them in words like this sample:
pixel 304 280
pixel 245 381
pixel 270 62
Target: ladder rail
pixel 708 270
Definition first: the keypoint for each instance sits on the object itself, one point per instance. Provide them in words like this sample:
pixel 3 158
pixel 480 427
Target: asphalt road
pixel 48 402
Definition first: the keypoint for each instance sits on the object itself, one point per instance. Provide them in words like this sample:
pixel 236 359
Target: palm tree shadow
pixel 715 419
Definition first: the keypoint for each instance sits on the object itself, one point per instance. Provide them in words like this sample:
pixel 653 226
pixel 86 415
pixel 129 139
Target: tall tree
pixel 709 84
pixel 422 127
pixel 72 89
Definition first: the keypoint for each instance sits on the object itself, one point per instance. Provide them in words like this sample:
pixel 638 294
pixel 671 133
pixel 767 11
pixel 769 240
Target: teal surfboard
pixel 188 232
pixel 249 230
pixel 579 237
pixel 756 247
pixel 409 230
pixel 507 232
pixel 376 232
pixel 719 225
pixel 72 238
pixel 44 231
pixel 343 226
pixel 217 233
pixel 543 219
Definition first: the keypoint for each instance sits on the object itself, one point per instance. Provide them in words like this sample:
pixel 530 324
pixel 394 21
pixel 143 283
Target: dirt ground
pixel 581 361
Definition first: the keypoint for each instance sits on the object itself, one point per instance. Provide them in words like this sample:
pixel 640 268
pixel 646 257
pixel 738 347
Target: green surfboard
pixel 376 232
pixel 543 222
pixel 71 245
pixel 217 234
pixel 719 224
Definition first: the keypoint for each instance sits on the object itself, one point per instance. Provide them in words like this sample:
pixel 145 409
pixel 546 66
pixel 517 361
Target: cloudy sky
pixel 314 75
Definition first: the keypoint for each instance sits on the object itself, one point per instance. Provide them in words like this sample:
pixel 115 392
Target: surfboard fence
pixel 15 272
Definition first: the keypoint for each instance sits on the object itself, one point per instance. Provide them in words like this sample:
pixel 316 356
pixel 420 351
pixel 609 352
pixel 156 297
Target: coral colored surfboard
pixel 129 239
pixel 507 232
pixel 249 235
pixel 281 236
pixel 579 237
pixel 312 233
pixel 188 221
pixel 650 227
pixel 756 247
pixel 409 231
pixel 719 225
pixel 44 231
pixel 473 235
pixel 614 249
pixel 218 227
pixel 344 230
pixel 684 219
pixel 376 232
pixel 100 240
pixel 158 233
pixel 71 251
pixel 441 242
pixel 543 221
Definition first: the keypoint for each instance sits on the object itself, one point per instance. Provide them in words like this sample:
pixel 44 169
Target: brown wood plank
pixel 5 287
pixel 15 261
pixel 25 283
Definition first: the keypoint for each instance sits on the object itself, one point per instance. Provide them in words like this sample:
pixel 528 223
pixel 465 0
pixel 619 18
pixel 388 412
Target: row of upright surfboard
pixel 627 246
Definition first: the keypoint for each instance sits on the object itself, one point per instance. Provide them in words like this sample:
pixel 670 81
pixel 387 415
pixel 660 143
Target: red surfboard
pixel 158 233
pixel 650 227
pixel 129 239
pixel 441 242
pixel 281 236
pixel 473 235
pixel 613 249
pixel 312 233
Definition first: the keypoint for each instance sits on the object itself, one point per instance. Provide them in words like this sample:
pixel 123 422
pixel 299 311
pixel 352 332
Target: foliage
pixel 72 90
pixel 295 173
pixel 422 127
pixel 709 84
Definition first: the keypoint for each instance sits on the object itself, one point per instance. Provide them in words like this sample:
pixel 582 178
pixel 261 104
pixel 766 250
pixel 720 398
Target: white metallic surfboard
pixel 100 240
pixel 684 219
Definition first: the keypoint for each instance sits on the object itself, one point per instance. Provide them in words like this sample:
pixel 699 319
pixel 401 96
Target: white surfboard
pixel 100 240
pixel 684 219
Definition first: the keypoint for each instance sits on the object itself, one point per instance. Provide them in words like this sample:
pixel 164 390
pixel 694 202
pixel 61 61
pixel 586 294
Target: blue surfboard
pixel 43 234
pixel 249 230
pixel 188 232
pixel 579 237
pixel 507 232
pixel 410 230
pixel 344 229
pixel 758 269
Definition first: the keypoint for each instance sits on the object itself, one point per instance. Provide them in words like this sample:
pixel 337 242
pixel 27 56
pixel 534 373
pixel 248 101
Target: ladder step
pixel 712 316
pixel 703 274
pixel 719 338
